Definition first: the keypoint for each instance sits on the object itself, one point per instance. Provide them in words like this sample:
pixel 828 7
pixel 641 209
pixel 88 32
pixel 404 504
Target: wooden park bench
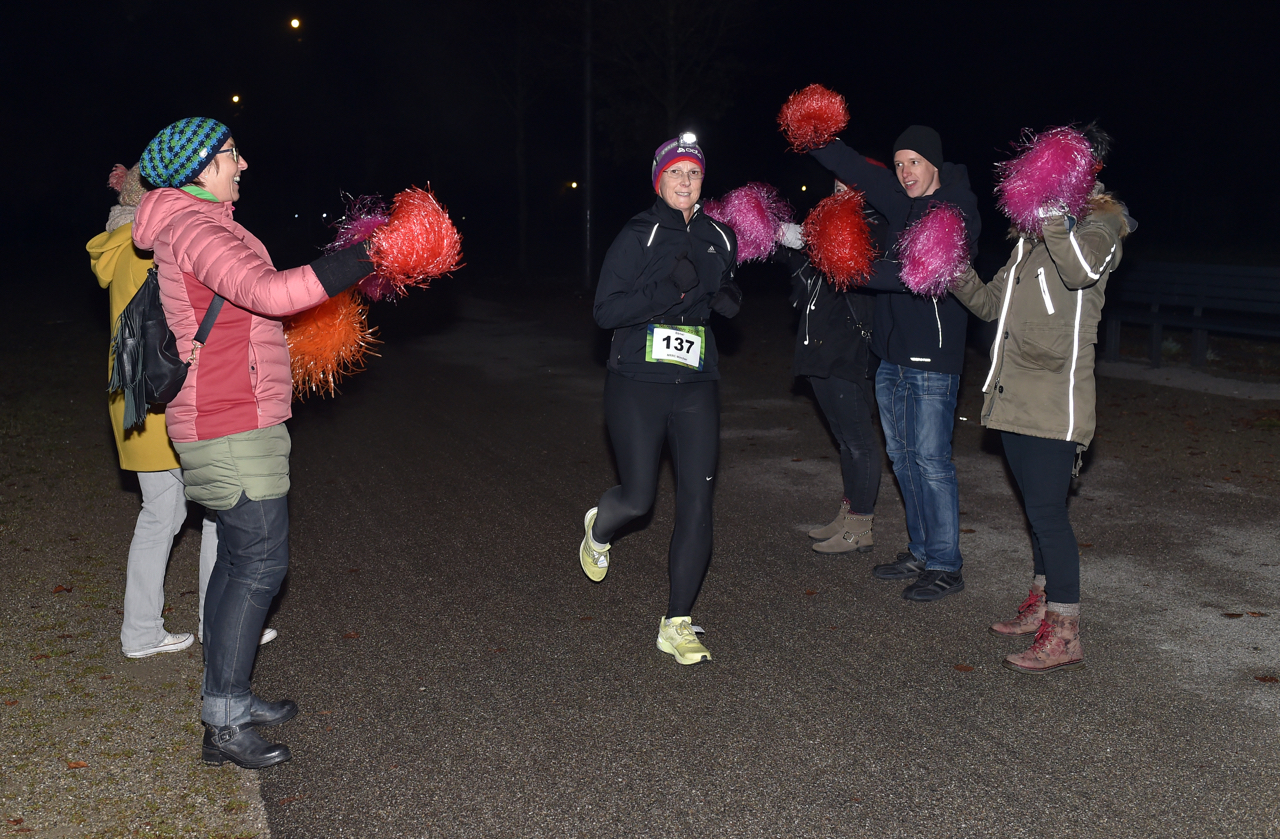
pixel 1203 298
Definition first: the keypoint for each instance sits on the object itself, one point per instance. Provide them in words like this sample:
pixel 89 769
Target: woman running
pixel 664 274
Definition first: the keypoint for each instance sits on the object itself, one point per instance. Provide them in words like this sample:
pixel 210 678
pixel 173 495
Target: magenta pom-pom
pixel 839 239
pixel 934 251
pixel 364 215
pixel 755 212
pixel 1055 172
pixel 811 117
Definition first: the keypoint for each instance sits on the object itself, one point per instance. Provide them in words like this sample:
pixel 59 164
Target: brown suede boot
pixel 1057 647
pixel 1030 613
pixel 835 528
pixel 854 535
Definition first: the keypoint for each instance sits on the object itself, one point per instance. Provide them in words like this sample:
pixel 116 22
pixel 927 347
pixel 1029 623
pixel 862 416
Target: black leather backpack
pixel 145 361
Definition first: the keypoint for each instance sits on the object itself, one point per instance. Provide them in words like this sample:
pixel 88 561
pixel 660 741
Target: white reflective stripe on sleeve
pixel 938 318
pixel 1075 355
pixel 652 233
pixel 1004 310
pixel 1044 290
pixel 722 234
pixel 1080 256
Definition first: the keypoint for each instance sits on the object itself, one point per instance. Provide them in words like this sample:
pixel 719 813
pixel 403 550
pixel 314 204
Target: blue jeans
pixel 253 556
pixel 917 410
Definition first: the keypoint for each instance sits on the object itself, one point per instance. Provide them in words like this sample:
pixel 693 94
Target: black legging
pixel 641 415
pixel 850 409
pixel 1042 468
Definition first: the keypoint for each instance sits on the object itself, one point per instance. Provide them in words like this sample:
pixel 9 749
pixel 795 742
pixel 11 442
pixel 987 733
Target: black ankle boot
pixel 242 745
pixel 264 713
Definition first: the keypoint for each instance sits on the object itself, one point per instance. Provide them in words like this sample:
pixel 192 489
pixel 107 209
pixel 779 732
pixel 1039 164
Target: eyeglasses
pixel 234 152
pixel 678 174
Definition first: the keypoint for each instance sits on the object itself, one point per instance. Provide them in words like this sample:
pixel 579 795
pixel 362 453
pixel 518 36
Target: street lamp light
pixel 295 23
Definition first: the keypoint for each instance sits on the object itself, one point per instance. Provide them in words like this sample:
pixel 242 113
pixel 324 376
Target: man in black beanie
pixel 920 343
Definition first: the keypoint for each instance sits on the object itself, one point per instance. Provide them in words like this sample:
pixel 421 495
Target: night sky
pixel 374 97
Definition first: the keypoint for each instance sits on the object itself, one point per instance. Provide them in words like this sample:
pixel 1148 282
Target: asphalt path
pixel 459 676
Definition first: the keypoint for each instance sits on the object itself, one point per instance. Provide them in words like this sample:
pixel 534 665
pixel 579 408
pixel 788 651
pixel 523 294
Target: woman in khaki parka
pixel 1040 396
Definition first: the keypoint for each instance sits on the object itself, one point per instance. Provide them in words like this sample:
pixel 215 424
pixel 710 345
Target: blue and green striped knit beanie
pixel 177 155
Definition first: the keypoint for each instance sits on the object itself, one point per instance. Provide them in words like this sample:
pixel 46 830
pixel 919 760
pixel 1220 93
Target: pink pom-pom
pixel 364 215
pixel 755 212
pixel 934 251
pixel 810 118
pixel 839 239
pixel 417 244
pixel 1055 171
pixel 116 179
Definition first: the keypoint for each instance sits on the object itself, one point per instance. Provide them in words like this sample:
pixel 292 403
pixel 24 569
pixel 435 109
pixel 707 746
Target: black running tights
pixel 641 416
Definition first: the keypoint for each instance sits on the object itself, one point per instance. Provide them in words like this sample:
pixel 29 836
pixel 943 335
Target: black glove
pixel 685 275
pixel 339 271
pixel 728 300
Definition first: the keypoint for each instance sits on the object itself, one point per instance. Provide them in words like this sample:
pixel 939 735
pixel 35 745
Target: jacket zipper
pixel 1044 290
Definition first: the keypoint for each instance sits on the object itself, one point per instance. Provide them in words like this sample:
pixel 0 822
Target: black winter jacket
pixel 636 288
pixel 833 338
pixel 909 330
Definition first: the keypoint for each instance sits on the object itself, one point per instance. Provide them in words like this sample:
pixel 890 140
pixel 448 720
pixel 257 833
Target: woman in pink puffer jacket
pixel 227 423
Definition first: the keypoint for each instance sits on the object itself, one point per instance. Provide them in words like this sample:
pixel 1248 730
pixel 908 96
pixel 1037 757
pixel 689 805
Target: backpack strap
pixel 206 325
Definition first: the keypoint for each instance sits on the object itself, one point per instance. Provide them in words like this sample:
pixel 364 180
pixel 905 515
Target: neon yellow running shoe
pixel 593 555
pixel 676 637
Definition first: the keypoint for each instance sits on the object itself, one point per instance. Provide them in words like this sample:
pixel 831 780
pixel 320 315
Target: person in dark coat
pixel 665 273
pixel 833 355
pixel 920 342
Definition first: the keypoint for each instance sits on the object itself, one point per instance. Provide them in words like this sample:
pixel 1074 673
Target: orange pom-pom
pixel 328 342
pixel 810 118
pixel 839 239
pixel 418 243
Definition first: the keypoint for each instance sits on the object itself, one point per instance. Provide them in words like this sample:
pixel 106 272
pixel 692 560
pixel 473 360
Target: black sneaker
pixel 934 585
pixel 904 567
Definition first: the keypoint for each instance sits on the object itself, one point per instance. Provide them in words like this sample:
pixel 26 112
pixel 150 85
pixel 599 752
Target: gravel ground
pixel 94 744
pixel 98 745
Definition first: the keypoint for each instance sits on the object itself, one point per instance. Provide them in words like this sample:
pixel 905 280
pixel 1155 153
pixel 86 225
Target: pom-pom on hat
pixel 127 183
pixel 177 155
pixel 922 140
pixel 684 147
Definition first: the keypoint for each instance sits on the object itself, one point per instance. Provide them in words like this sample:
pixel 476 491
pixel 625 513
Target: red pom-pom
pixel 840 240
pixel 328 342
pixel 934 251
pixel 417 244
pixel 810 118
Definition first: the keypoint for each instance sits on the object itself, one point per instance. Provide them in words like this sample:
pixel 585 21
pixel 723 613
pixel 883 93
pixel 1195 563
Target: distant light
pixel 573 184
pixel 235 98
pixel 324 215
pixel 295 215
pixel 803 188
pixel 295 23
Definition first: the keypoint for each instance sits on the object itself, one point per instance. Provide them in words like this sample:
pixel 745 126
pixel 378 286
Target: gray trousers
pixel 164 509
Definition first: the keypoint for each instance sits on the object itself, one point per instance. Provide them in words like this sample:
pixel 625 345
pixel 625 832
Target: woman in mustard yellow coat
pixel 121 269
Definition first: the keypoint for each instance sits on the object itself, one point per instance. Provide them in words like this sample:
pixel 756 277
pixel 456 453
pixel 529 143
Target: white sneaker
pixel 170 644
pixel 268 635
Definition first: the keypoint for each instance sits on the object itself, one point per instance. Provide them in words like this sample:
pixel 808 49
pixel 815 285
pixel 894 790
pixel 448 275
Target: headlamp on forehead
pixel 688 138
